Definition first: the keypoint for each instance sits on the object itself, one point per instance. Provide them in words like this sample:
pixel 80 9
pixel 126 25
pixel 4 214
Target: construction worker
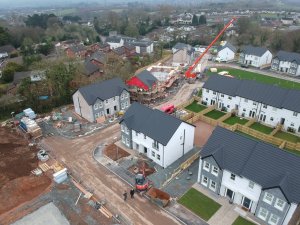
pixel 125 195
pixel 132 193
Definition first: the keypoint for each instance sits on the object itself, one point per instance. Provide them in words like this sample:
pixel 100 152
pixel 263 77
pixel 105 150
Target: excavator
pixel 190 74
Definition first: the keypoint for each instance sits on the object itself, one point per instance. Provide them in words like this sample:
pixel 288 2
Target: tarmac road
pixel 76 154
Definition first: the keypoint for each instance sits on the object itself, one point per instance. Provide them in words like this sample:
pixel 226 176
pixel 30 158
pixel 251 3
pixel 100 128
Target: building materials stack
pixel 31 127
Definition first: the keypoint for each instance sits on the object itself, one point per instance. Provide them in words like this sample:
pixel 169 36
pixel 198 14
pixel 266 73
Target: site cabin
pixel 160 137
pixel 101 100
pixel 168 109
pixel 263 179
pixel 268 104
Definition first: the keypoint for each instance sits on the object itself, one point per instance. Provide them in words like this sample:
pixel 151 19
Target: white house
pixel 184 18
pixel 101 100
pixel 114 42
pixel 160 136
pixel 287 62
pixel 268 104
pixel 255 56
pixel 143 47
pixel 226 52
pixel 259 177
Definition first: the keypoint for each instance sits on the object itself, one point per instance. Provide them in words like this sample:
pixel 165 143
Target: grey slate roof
pixel 258 161
pixel 102 90
pixel 19 76
pixel 288 56
pixel 113 39
pixel 265 93
pixel 77 48
pixel 147 78
pixel 251 50
pixel 182 46
pixel 142 43
pixel 154 123
pixel 90 67
pixel 227 45
pixel 99 56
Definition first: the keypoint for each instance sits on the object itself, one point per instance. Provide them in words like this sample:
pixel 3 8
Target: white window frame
pixel 266 200
pixel 261 216
pixel 202 180
pixel 123 140
pixel 210 185
pixel 126 104
pixel 96 106
pixel 295 114
pixel 106 101
pixel 153 153
pixel 122 127
pixel 204 166
pixel 100 104
pixel 278 206
pixel 216 173
pixel 277 218
pixel 127 141
pixel 251 184
pixel 158 156
pixel 97 115
pixel 122 105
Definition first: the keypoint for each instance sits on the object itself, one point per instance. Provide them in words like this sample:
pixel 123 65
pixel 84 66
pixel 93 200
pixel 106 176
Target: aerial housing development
pixel 150 112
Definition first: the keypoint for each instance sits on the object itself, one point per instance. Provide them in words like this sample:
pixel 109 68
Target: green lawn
pixel 241 221
pixel 195 107
pixel 215 114
pixel 200 93
pixel 241 74
pixel 287 136
pixel 234 119
pixel 261 128
pixel 199 204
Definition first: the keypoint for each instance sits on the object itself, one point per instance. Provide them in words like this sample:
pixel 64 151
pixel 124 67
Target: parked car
pixel 244 66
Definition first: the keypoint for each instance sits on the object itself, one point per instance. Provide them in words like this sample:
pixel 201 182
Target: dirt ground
pixel 17 159
pixel 141 165
pixel 202 133
pixel 114 152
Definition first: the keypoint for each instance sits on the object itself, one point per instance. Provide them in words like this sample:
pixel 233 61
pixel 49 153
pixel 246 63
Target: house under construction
pixel 151 84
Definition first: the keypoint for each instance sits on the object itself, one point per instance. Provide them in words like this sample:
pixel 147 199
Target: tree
pixel 9 71
pixel 131 30
pixel 195 20
pixel 4 36
pixel 202 19
pixel 27 47
pixel 37 20
pixel 243 25
pixel 45 48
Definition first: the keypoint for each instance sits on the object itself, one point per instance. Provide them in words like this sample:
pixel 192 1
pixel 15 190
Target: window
pixel 263 213
pixel 206 166
pixel 229 97
pixel 245 100
pixel 145 136
pixel 212 185
pixel 158 156
pixel 122 105
pixel 268 198
pixel 207 90
pixel 265 106
pixel 222 95
pixel 254 103
pixel 215 170
pixel 114 98
pixel 251 184
pixel 136 133
pixel 295 114
pixel 228 106
pixel 123 139
pixel 122 96
pixel 153 153
pixel 126 104
pixel 214 93
pixel 273 219
pixel 106 101
pixel 271 118
pixel 244 110
pixel 100 104
pixel 122 127
pixel 232 176
pixel 155 144
pixel 97 115
pixel 292 124
pixel 279 204
pixel 126 130
pixel 96 106
pixel 204 180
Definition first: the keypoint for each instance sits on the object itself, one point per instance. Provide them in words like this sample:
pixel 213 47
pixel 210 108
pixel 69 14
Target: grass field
pixel 241 74
pixel 234 119
pixel 199 204
pixel 261 128
pixel 242 221
pixel 195 107
pixel 287 136
pixel 215 114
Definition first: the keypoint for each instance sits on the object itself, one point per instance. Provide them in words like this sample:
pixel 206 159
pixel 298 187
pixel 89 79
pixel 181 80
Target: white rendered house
pixel 255 56
pixel 160 136
pixel 226 52
pixel 287 62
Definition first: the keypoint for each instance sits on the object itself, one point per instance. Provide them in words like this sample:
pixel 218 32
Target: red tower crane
pixel 189 73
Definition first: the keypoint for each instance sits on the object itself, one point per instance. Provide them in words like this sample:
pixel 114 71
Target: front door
pixel 229 193
pixel 246 203
pixel 282 121
pixel 107 111
pixel 145 150
pixel 212 102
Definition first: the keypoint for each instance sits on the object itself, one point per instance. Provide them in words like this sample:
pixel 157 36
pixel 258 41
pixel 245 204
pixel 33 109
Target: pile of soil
pixel 142 165
pixel 17 159
pixel 20 190
pixel 114 152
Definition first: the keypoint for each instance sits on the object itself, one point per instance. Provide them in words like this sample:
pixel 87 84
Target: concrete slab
pixel 47 214
pixel 202 133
